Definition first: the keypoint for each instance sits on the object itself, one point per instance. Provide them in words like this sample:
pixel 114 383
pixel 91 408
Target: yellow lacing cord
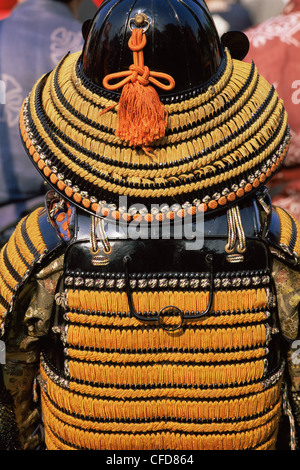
pixel 85 107
pixel 8 282
pixel 194 114
pixel 240 373
pixel 7 277
pixel 118 409
pixel 244 407
pixel 221 338
pixel 270 444
pixel 98 100
pixel 191 186
pixel 285 226
pixel 14 256
pixel 297 244
pixel 77 122
pixel 6 294
pixel 221 126
pixel 52 442
pixel 95 356
pixel 163 192
pixel 230 319
pixel 73 433
pixel 201 129
pixel 286 229
pixel 154 301
pixel 34 232
pixel 173 392
pixel 24 250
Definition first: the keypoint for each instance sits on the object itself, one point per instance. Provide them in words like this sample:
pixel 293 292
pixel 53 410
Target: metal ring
pixel 172 327
pixel 209 261
pixel 139 20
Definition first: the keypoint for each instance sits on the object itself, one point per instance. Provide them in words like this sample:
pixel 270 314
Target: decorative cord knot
pixel 140 74
pixel 142 118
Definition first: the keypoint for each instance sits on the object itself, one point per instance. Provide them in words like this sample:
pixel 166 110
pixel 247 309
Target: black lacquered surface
pixel 181 41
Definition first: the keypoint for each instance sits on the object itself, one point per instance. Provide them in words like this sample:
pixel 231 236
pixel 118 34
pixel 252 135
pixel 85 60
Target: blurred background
pixel 258 10
pixel 86 11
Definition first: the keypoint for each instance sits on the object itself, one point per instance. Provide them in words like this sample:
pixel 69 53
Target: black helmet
pixel 181 40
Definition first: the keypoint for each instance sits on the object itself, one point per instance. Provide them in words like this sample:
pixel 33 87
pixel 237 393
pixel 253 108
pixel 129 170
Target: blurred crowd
pixel 36 34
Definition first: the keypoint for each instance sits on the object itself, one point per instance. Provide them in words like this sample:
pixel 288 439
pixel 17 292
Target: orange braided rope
pixel 142 118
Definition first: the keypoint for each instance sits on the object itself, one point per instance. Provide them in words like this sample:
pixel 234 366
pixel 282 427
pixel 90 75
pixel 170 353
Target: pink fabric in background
pixel 275 50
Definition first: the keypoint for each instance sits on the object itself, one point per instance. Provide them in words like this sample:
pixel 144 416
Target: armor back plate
pixel 162 347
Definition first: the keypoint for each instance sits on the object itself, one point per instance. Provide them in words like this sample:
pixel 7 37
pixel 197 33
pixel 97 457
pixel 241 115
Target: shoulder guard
pixel 34 238
pixel 284 237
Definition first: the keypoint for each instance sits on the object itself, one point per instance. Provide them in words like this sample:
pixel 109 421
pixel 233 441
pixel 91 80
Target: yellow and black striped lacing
pixel 130 385
pixel 219 146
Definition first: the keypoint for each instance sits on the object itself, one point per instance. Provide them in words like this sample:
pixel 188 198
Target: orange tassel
pixel 142 118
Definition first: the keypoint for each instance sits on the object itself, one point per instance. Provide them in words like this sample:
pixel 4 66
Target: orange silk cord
pixel 138 71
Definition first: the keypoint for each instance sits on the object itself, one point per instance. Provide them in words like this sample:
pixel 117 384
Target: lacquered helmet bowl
pixel 181 40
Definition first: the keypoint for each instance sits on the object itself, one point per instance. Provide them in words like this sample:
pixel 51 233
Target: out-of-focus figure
pixel 275 50
pixel 261 10
pixel 229 15
pixel 35 36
